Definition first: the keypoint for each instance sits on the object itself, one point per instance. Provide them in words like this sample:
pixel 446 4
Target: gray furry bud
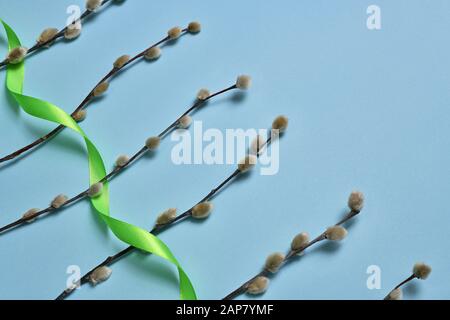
pixel 194 27
pixel 80 115
pixel 243 82
pixel 122 160
pixel 395 294
pixel 300 241
pixel 30 215
pixel 121 61
pixel 100 89
pixel 99 275
pixel 258 285
pixel 421 270
pixel 59 201
pixel 95 190
pixel 184 122
pixel 356 201
pixel 280 123
pixel 335 233
pixel 73 31
pixel 202 210
pixel 47 35
pixel 93 5
pixel 247 163
pixel 153 143
pixel 174 33
pixel 153 53
pixel 203 94
pixel 166 216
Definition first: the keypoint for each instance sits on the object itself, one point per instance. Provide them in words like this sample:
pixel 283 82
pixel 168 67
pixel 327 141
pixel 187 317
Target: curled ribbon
pixel 130 234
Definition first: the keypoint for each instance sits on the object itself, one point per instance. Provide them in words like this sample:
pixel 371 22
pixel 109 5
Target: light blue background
pixel 368 110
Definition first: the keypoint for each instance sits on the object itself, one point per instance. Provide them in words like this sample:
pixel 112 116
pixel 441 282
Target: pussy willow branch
pixel 156 230
pixel 116 170
pixel 289 256
pixel 60 34
pixel 82 105
pixel 410 278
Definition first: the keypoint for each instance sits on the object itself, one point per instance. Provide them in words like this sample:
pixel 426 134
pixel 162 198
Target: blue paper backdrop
pixel 368 110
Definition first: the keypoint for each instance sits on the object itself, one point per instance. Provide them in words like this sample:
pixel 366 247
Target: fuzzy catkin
pixel 99 275
pixel 80 115
pixel 122 160
pixel 153 53
pixel 356 201
pixel 247 163
pixel 59 201
pixel 153 143
pixel 395 294
pixel 300 241
pixel 194 27
pixel 274 262
pixel 95 190
pixel 29 215
pixel 243 82
pixel 121 61
pixel 335 233
pixel 421 270
pixel 166 216
pixel 184 122
pixel 174 33
pixel 100 89
pixel 203 94
pixel 280 123
pixel 202 210
pixel 73 31
pixel 92 5
pixel 258 285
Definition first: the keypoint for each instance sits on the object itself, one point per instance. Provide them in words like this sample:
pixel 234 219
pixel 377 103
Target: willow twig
pixel 33 215
pixel 258 283
pixel 93 93
pixel 420 271
pixel 59 34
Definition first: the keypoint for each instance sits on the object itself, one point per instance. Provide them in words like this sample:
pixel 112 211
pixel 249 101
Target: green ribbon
pixel 130 234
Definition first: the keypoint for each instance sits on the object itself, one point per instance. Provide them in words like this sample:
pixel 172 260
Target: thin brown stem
pixel 292 253
pixel 114 71
pixel 60 34
pixel 109 176
pixel 156 229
